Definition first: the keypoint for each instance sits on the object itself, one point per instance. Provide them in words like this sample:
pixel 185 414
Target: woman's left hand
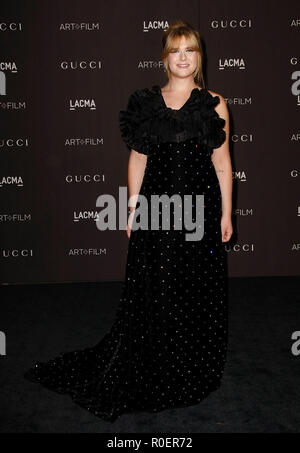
pixel 226 228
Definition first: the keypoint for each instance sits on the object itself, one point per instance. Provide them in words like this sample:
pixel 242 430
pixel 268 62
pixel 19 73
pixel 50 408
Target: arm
pixel 136 169
pixel 222 162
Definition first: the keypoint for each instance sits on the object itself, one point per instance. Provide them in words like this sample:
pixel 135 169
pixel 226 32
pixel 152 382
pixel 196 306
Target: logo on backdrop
pixel 10 181
pixel 242 138
pixel 73 26
pixel 86 252
pixel 87 141
pixel 85 178
pixel 244 212
pixel 150 64
pixel 240 248
pixel 232 63
pixel 24 253
pixel 8 66
pixel 240 175
pixel 15 218
pixel 14 143
pixel 233 23
pixel 295 137
pixel 81 65
pixel 239 101
pixel 10 26
pixel 81 104
pixel 155 25
pixel 79 216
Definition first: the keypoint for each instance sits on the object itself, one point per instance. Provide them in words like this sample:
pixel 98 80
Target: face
pixel 182 59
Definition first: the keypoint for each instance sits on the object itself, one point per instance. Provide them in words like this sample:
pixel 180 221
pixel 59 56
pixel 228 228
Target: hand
pixel 226 228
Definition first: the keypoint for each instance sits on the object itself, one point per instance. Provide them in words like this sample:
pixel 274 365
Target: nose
pixel 182 56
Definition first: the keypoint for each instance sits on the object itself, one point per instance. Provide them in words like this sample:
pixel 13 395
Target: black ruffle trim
pixel 147 120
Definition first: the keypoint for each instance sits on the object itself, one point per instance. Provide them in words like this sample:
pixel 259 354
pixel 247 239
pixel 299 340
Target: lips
pixel 183 66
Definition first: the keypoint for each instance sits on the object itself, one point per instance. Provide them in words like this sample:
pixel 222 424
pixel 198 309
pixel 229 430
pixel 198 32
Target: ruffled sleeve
pixel 131 124
pixel 214 135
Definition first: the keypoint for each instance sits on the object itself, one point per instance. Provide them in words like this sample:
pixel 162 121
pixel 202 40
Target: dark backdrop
pixel 68 67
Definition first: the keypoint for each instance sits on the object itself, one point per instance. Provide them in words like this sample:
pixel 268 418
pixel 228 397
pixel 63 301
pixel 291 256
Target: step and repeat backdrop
pixel 66 70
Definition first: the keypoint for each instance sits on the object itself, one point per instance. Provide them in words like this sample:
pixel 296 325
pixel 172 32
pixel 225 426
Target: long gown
pixel 168 343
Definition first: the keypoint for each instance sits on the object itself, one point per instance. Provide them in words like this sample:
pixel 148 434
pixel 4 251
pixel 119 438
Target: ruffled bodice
pixel 148 121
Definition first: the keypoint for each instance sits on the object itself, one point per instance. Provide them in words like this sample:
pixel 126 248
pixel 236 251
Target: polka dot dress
pixel 168 343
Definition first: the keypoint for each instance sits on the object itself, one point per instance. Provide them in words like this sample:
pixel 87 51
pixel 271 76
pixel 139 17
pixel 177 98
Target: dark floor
pixel 260 389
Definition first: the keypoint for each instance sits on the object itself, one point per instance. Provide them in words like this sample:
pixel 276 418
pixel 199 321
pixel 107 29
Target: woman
pixel 167 346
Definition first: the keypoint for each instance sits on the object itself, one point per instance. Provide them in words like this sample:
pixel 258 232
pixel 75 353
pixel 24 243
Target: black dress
pixel 167 346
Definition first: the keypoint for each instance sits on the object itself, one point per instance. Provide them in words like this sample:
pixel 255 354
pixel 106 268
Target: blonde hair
pixel 177 29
